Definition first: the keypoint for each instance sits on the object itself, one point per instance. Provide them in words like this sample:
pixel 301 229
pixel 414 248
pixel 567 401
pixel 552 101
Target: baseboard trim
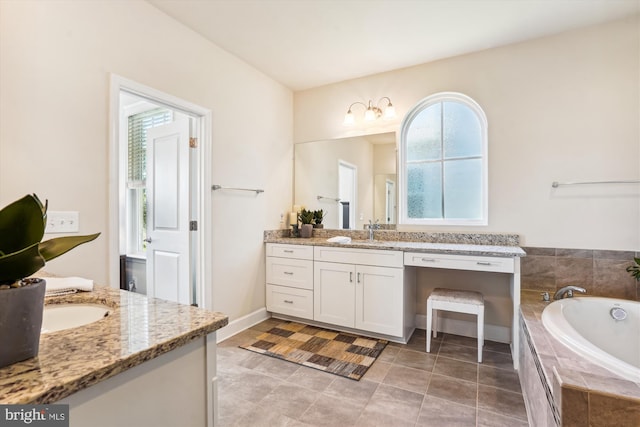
pixel 468 329
pixel 245 322
pixel 449 326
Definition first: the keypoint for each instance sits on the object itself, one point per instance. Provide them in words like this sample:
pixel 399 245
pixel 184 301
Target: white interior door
pixel 168 212
pixel 347 192
pixel 390 202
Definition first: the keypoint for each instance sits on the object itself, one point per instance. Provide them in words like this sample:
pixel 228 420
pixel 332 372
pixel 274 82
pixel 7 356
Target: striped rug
pixel 339 353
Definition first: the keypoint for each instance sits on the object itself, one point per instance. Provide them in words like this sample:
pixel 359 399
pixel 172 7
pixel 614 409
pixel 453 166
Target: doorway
pixel 347 193
pixel 158 204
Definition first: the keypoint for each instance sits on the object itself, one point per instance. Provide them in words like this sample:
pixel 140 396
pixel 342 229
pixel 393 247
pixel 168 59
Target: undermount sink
pixel 57 317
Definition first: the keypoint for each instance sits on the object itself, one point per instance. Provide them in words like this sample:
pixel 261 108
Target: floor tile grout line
pixel 503 415
pixel 424 397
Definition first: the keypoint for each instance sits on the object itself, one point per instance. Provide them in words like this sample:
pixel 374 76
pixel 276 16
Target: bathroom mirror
pixel 354 177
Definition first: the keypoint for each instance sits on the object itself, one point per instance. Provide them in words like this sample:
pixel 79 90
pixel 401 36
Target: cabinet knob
pixel 483 263
pixel 288 301
pixel 290 273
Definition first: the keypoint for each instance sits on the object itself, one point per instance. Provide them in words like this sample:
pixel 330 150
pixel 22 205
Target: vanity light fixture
pixel 372 112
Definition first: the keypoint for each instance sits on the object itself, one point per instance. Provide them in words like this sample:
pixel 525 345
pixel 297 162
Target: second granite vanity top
pixel 439 247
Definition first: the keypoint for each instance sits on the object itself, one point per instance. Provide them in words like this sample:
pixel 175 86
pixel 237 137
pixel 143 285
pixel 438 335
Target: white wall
pixel 55 60
pixel 560 108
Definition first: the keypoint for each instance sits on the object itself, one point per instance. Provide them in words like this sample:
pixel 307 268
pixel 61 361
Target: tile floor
pixel 405 387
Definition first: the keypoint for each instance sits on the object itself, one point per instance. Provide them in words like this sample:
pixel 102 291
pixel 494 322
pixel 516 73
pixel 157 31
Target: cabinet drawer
pixel 290 301
pixel 290 251
pixel 296 273
pixel 460 262
pixel 382 258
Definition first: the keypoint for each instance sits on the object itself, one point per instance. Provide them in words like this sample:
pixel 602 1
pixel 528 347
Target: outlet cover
pixel 62 222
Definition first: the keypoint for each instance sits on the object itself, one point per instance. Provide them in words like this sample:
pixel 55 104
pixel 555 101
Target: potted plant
pixel 22 253
pixel 318 216
pixel 307 219
pixel 635 269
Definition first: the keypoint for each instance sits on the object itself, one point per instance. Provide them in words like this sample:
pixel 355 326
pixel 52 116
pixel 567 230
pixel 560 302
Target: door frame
pixel 201 188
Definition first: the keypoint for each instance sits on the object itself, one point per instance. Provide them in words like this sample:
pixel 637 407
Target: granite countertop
pixel 410 246
pixel 136 330
pixel 569 368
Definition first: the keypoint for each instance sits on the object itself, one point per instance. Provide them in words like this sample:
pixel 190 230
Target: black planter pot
pixel 21 321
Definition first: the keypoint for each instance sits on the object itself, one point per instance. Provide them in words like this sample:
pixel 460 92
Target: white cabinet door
pixel 334 293
pixel 379 299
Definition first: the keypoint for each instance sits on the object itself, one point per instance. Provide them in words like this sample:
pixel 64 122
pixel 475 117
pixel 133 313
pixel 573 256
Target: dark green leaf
pixel 21 224
pixel 17 265
pixel 55 247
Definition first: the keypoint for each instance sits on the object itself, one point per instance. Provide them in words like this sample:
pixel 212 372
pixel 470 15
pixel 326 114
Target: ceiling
pixel 310 43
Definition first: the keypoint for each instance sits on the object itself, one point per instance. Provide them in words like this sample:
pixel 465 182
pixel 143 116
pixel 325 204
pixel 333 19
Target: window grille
pixel 137 147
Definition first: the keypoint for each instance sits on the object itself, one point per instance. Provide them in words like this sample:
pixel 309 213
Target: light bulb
pixel 369 115
pixel 389 112
pixel 348 118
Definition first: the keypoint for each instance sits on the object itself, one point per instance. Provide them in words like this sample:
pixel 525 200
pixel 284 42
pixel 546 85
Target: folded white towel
pixel 339 239
pixel 67 285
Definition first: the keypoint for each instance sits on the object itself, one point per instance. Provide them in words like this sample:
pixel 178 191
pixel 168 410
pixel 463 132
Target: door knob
pixel 147 240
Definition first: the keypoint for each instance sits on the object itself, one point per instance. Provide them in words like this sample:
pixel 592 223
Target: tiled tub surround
pixel 556 380
pixel 138 329
pixel 600 272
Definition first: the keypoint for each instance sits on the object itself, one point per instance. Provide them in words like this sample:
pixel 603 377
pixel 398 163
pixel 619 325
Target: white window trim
pixel 402 176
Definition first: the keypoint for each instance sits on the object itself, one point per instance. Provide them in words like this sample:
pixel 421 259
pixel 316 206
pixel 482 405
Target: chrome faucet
pixel 568 291
pixel 372 227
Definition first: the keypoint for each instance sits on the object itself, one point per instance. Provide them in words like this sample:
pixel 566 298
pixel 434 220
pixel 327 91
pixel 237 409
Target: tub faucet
pixel 568 291
pixel 372 227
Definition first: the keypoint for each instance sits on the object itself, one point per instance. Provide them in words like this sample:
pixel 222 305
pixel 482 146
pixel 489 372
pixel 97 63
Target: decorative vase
pixel 306 230
pixel 21 321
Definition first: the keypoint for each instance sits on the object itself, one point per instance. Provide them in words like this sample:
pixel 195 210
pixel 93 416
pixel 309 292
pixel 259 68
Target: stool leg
pixel 480 332
pixel 436 318
pixel 429 319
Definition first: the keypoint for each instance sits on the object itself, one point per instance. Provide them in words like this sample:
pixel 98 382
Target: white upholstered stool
pixel 469 302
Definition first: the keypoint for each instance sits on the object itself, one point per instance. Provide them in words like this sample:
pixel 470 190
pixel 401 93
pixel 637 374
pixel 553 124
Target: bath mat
pixel 339 353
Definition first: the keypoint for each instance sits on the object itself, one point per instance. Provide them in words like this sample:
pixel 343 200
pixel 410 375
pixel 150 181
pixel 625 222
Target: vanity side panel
pixel 174 386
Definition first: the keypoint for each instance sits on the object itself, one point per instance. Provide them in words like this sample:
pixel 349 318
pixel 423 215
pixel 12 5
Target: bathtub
pixel 588 326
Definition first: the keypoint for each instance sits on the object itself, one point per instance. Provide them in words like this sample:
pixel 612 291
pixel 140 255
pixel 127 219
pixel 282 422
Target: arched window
pixel 443 162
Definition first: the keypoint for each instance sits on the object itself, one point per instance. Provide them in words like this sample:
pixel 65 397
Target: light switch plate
pixel 62 222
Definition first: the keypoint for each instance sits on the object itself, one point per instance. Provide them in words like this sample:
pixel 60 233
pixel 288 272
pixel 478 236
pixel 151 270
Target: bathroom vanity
pixel 369 287
pixel 150 362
